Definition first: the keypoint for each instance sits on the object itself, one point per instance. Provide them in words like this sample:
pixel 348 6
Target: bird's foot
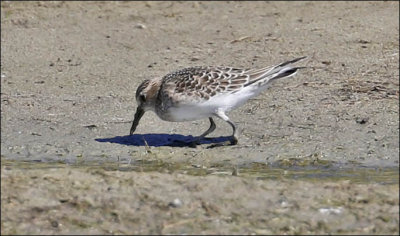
pixel 232 142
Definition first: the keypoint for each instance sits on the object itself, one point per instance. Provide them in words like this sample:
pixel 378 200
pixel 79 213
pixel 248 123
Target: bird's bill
pixel 138 115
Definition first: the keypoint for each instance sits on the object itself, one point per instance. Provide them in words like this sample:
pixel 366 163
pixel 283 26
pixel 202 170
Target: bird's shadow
pixel 158 140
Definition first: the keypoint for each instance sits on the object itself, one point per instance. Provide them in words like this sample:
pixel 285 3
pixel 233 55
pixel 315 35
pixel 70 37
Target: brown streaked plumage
pixel 200 92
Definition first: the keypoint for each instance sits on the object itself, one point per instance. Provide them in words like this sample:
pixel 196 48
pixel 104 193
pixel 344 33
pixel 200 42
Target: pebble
pixel 140 26
pixel 54 224
pixel 175 203
pixel 331 210
pixel 360 120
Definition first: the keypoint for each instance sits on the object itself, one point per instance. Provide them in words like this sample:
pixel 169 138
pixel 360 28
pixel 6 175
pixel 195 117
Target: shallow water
pixel 286 169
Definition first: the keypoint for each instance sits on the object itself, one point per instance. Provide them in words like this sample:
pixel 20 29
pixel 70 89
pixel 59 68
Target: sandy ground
pixel 69 72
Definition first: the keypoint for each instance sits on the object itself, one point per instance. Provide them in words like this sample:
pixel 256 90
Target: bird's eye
pixel 142 98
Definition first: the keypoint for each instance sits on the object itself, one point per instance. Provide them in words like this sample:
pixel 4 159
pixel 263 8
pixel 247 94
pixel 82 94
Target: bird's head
pixel 146 95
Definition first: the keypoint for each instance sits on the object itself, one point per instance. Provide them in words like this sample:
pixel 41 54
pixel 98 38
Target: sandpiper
pixel 205 92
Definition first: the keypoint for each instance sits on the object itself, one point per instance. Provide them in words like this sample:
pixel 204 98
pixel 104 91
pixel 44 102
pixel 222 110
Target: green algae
pixel 299 169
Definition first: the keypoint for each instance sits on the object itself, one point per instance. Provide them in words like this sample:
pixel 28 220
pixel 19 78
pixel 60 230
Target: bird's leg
pixel 234 135
pixel 209 131
pixel 223 116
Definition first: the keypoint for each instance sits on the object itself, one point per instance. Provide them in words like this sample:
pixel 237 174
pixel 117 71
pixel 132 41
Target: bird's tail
pixel 264 75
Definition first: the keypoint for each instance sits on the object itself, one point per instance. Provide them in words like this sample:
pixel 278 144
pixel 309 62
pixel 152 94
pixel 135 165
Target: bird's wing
pixel 202 83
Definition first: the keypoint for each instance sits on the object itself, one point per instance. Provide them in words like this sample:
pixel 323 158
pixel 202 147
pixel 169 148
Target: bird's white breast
pixel 201 110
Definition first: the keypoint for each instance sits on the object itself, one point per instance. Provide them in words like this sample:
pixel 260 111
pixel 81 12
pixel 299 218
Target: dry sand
pixel 69 72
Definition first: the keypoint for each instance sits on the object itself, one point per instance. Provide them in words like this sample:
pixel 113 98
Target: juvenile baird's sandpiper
pixel 205 92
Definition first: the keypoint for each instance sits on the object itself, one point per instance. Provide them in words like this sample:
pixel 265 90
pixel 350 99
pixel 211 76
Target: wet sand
pixel 68 80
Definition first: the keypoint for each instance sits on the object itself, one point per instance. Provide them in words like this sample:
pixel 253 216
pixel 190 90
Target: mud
pixel 317 153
